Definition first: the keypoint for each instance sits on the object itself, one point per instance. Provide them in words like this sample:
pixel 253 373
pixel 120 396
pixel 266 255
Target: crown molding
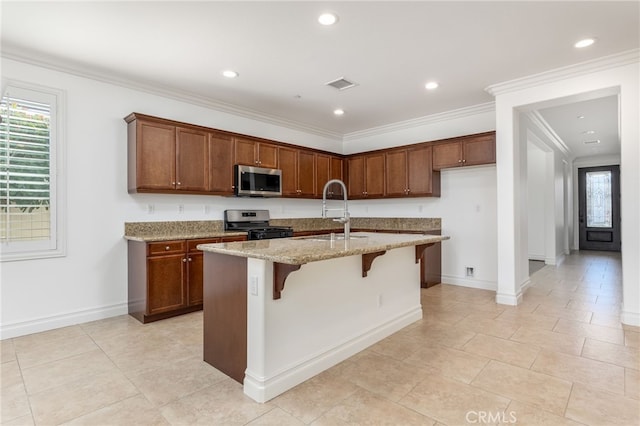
pixel 537 120
pixel 421 121
pixel 607 62
pixel 91 73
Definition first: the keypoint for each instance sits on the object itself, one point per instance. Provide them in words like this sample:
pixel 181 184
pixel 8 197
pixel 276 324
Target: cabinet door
pixel 194 277
pixel 245 152
pixel 288 159
pixel 323 171
pixel 192 159
pixel 306 174
pixel 166 283
pixel 155 156
pixel 355 166
pixel 447 155
pixel 480 150
pixel 374 176
pixel 267 155
pixel 337 172
pixel 420 171
pixel 396 173
pixel 220 163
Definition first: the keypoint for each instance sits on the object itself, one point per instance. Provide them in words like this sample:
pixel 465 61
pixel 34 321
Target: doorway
pixel 599 208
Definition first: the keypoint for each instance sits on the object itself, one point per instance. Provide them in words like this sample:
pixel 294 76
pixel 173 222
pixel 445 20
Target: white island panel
pixel 327 313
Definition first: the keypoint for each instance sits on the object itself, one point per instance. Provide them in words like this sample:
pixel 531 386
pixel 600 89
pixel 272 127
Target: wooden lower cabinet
pixel 165 277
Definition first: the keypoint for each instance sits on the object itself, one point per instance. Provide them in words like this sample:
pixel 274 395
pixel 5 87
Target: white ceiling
pixel 284 57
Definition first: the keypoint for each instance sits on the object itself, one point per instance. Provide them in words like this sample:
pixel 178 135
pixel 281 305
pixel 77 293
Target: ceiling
pixel 284 57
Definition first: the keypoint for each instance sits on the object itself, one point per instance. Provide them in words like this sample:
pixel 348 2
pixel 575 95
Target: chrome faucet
pixel 345 219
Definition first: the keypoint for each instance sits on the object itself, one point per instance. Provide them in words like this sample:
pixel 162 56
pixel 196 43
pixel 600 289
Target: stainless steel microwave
pixel 252 181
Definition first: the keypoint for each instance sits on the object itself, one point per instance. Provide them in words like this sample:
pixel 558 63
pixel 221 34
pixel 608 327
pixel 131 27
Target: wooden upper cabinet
pixel 152 155
pixel 396 176
pixel 421 178
pixel 221 162
pixel 366 176
pixel 323 172
pixel 254 153
pixel 466 151
pixel 298 172
pixel 192 159
pixel 164 157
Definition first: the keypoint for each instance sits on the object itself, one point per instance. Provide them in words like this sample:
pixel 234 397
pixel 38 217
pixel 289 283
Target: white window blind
pixel 28 203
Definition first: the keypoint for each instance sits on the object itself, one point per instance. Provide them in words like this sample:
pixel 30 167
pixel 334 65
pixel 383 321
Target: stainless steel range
pixel 255 223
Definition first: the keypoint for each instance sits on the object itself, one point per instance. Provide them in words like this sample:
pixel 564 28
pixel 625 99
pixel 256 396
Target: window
pixel 599 199
pixel 30 187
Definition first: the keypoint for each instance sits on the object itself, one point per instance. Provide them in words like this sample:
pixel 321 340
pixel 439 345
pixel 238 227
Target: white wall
pixel 536 183
pixel 90 282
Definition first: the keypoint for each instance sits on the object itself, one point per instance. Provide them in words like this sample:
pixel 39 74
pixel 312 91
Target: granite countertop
pixel 301 250
pixel 183 230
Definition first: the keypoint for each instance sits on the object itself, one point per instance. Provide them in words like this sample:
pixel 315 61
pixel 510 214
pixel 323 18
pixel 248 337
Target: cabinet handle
pixel 167 248
pixel 459 161
pixel 173 183
pixel 184 260
pixel 190 259
pixel 179 183
pixel 464 161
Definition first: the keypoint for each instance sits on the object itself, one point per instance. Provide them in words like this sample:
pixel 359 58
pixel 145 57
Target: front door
pixel 599 208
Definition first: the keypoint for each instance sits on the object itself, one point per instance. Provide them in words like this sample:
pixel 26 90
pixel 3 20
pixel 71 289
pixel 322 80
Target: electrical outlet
pixel 379 300
pixel 151 208
pixel 180 208
pixel 253 286
pixel 469 271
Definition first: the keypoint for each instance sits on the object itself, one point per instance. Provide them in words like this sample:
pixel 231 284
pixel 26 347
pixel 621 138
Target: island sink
pixel 332 237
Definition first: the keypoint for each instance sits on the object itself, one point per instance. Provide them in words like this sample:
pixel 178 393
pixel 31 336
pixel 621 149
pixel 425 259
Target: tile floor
pixel 560 358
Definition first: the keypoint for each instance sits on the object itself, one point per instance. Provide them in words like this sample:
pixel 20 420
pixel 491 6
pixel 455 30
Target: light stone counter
pixel 176 230
pixel 301 250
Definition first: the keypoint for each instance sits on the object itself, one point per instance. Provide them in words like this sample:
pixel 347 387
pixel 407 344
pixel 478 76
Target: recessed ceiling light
pixel 589 132
pixel 584 43
pixel 580 117
pixel 328 18
pixel 431 85
pixel 338 111
pixel 230 73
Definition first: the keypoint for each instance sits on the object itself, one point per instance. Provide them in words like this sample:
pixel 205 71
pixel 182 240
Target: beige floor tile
pixel 32 353
pixel 488 326
pixel 56 373
pixel 14 403
pixel 624 356
pixel 452 363
pixel 438 334
pixel 311 399
pixel 528 319
pixel 20 421
pixel 175 380
pixel 549 340
pixel 365 408
pixel 581 329
pixel 508 351
pixel 606 320
pixel 632 383
pixel 523 414
pixel 577 369
pixel 382 375
pixel 80 397
pixel 112 327
pixel 276 417
pixel 25 343
pixel 7 351
pixel 10 374
pixel 139 359
pixel 583 316
pixel 594 407
pixel 398 346
pixel 221 403
pixel 543 391
pixel 450 402
pixel 631 338
pixel 593 307
pixel 131 411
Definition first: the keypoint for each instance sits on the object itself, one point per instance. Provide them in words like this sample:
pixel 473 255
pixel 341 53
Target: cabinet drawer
pixel 166 247
pixel 193 244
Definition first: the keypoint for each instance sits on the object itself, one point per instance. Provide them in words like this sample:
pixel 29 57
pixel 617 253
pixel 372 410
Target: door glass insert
pixel 599 199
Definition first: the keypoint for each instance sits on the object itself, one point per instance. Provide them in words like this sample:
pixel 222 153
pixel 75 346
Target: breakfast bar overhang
pixel 278 312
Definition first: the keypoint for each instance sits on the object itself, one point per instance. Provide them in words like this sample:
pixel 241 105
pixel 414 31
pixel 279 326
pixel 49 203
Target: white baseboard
pixel 469 282
pixel 539 257
pixel 263 389
pixel 509 299
pixel 23 328
pixel 630 318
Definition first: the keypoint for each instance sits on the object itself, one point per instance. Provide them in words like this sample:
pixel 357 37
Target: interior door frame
pixel 583 243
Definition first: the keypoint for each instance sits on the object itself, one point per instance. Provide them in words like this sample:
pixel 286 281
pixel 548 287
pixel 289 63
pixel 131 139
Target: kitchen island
pixel 277 312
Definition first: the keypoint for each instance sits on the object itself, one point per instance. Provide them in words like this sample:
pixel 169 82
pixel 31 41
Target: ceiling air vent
pixel 341 84
pixel 595 141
